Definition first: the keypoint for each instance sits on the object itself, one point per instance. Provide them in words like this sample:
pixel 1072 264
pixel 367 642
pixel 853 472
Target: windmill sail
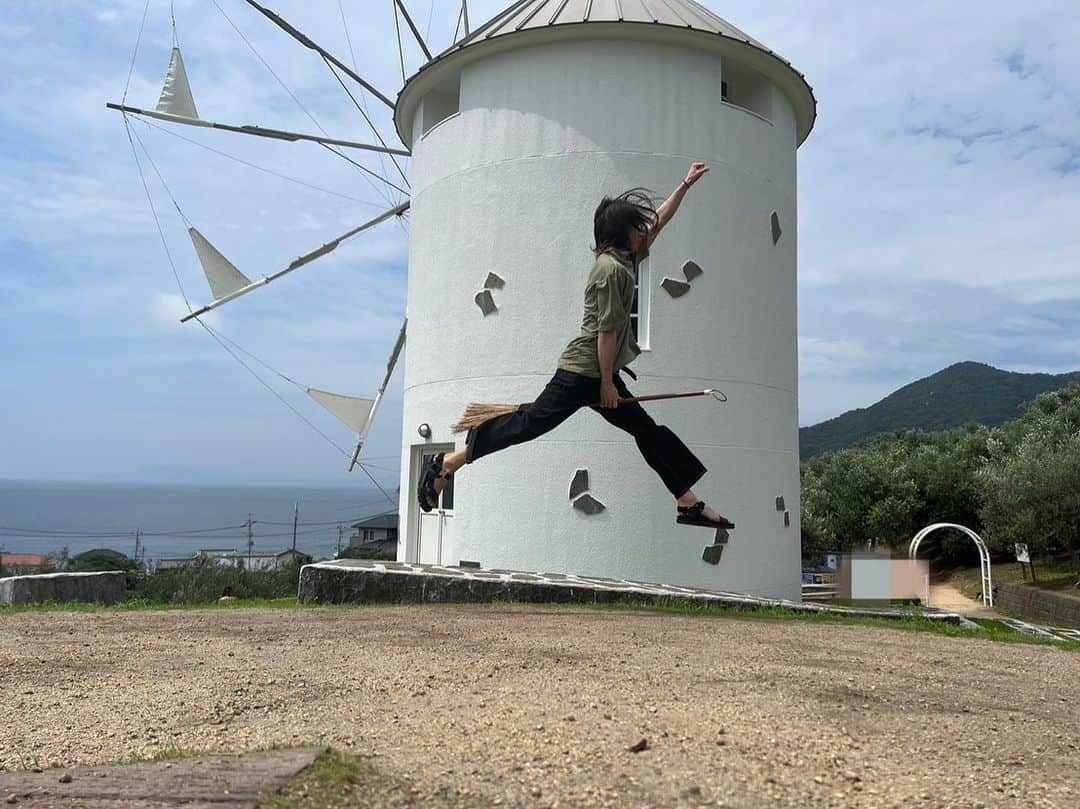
pixel 297 263
pixel 349 409
pixel 399 344
pixel 176 98
pixel 224 278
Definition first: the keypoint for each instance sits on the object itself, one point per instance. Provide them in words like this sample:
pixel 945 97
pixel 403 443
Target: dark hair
pixel 615 217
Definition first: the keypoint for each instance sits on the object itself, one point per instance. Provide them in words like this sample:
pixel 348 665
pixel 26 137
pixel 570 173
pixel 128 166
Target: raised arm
pixel 667 209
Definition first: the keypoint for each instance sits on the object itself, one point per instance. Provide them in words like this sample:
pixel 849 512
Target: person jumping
pixel 624 229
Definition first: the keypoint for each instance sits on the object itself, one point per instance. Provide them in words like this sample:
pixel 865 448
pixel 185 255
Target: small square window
pixel 440 104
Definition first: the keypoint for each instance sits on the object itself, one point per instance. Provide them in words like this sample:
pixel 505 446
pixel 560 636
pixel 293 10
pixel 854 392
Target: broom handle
pixel 659 396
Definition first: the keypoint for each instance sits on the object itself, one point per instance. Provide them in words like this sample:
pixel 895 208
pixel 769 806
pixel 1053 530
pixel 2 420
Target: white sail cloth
pixel 176 98
pixel 351 410
pixel 224 278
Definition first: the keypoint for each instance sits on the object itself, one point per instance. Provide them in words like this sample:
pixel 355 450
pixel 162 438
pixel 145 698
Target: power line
pixel 280 81
pixel 260 168
pixel 266 64
pixel 161 179
pixel 389 199
pixel 200 534
pixel 276 395
pixel 366 117
pixel 363 94
pixel 135 53
pixel 401 49
pixel 133 136
pixel 219 338
pixel 153 210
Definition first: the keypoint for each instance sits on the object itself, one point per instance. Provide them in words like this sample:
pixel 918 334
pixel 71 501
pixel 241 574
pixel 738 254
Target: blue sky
pixel 939 200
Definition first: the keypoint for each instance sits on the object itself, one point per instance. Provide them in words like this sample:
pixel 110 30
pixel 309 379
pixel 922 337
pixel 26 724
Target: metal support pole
pixel 300 262
pixel 412 25
pixel 258 131
pixel 307 42
pixel 295 518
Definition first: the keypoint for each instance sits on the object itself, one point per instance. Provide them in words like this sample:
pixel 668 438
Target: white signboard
pixel 1022 554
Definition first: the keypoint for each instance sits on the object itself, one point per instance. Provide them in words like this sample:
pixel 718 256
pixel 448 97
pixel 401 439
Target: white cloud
pixel 938 200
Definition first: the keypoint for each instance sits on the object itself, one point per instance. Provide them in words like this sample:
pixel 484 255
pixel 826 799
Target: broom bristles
pixel 477 414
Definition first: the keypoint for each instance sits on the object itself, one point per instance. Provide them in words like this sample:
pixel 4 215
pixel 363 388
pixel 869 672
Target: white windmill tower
pixel 515 132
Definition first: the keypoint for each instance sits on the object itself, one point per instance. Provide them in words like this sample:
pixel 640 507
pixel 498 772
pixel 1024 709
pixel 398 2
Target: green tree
pixel 859 496
pixel 1016 483
pixel 1030 483
pixel 97 562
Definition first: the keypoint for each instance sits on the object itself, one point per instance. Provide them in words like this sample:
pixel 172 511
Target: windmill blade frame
pixel 307 258
pixel 390 365
pixel 259 131
pixel 308 42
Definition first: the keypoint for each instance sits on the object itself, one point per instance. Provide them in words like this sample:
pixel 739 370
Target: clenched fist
pixel 697 171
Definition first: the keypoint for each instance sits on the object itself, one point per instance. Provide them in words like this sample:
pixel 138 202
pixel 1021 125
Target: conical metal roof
pixel 531 14
pixel 527 17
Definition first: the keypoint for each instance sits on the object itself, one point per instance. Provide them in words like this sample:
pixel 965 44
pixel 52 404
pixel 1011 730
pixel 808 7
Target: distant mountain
pixel 965 393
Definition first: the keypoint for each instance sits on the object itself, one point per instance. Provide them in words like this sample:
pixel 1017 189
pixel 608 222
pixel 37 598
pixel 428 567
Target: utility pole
pixel 339 540
pixel 295 517
pixel 251 540
pixel 136 544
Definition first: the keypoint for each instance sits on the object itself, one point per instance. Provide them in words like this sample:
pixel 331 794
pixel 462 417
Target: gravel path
pixel 540 707
pixel 948 597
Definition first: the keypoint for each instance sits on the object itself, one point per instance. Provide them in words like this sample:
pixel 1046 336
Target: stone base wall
pixel 106 588
pixel 367 581
pixel 1040 606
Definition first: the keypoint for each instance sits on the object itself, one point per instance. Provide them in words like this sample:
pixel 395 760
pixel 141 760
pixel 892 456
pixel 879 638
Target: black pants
pixel 567 393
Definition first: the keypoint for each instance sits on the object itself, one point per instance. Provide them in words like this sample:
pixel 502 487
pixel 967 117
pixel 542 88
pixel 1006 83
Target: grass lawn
pixel 913 622
pixel 339 781
pixel 136 604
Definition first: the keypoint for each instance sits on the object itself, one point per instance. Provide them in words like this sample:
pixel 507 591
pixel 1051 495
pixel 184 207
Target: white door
pixel 433 527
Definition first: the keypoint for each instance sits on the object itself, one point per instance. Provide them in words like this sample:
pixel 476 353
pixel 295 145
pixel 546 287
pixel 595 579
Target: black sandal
pixel 425 490
pixel 694 515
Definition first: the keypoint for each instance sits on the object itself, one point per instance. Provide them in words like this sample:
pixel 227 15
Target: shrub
pixel 206 583
pixel 364 553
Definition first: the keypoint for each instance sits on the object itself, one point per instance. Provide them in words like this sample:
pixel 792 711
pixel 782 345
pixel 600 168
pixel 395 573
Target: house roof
pixel 25 560
pixel 569 16
pixel 379 521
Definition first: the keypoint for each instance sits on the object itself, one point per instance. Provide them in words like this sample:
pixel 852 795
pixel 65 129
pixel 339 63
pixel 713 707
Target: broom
pixel 477 414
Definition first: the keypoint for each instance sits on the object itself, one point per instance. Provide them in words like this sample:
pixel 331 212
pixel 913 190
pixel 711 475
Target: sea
pixel 178 520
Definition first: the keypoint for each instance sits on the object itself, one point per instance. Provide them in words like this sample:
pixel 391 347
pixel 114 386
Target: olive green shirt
pixel 609 301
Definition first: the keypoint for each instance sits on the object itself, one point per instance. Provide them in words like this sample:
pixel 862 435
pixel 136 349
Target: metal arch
pixel 984 555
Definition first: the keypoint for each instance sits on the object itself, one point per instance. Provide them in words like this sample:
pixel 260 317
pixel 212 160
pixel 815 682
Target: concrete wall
pixel 106 588
pixel 509 185
pixel 1041 606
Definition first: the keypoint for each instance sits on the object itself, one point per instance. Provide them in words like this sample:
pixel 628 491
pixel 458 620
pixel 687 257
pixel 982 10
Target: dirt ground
pixel 544 707
pixel 947 597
